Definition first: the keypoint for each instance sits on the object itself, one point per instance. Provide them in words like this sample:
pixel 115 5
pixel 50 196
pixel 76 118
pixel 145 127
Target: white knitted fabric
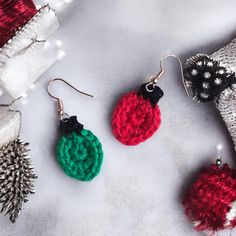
pixel 59 6
pixel 24 69
pixel 227 56
pixel 24 58
pixel 226 102
pixel 10 122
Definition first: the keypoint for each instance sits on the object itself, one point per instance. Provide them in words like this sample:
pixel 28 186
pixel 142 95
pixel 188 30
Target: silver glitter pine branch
pixel 16 177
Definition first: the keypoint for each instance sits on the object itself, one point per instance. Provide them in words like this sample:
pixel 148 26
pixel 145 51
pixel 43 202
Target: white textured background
pixel 112 47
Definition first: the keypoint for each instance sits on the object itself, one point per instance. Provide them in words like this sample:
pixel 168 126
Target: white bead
pixel 194 72
pixel 221 72
pixel 199 63
pixel 189 84
pixel 207 75
pixel 218 81
pixel 210 63
pixel 204 95
pixel 219 147
pixel 206 85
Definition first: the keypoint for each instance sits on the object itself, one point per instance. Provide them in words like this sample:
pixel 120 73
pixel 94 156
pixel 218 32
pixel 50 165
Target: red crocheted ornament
pixel 211 202
pixel 134 119
pixel 13 15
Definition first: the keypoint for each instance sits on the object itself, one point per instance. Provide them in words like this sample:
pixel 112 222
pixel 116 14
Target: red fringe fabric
pixel 210 198
pixel 13 15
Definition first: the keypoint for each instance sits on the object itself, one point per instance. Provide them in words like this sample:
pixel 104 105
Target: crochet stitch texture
pixel 211 202
pixel 134 119
pixel 80 155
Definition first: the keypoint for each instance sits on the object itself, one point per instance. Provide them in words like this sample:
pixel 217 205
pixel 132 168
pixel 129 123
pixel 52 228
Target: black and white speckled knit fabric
pixel 212 78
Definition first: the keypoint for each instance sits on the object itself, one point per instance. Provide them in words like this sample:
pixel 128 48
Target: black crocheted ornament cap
pixel 69 125
pixel 207 78
pixel 153 94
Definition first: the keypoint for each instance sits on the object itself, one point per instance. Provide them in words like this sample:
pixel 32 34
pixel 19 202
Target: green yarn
pixel 80 155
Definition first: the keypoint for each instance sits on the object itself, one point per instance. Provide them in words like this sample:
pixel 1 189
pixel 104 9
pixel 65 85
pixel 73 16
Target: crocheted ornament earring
pixel 137 116
pixel 79 152
pixel 210 203
pixel 212 78
pixel 16 172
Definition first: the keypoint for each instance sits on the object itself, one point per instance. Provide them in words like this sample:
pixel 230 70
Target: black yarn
pixel 206 89
pixel 69 125
pixel 153 96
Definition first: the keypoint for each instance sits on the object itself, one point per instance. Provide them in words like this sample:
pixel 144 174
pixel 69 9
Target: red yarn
pixel 208 202
pixel 13 15
pixel 134 119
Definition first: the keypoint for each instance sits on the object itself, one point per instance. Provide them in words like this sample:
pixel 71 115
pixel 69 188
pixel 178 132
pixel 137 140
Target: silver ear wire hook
pixel 60 103
pixel 219 155
pixel 155 78
pixel 181 70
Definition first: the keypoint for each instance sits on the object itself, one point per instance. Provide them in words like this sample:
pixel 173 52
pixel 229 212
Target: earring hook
pixel 160 74
pixel 60 103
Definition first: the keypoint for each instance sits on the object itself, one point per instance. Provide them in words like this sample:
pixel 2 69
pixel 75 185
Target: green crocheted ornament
pixel 79 151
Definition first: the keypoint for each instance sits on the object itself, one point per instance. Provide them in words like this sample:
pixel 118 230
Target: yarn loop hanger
pixel 158 76
pixel 59 100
